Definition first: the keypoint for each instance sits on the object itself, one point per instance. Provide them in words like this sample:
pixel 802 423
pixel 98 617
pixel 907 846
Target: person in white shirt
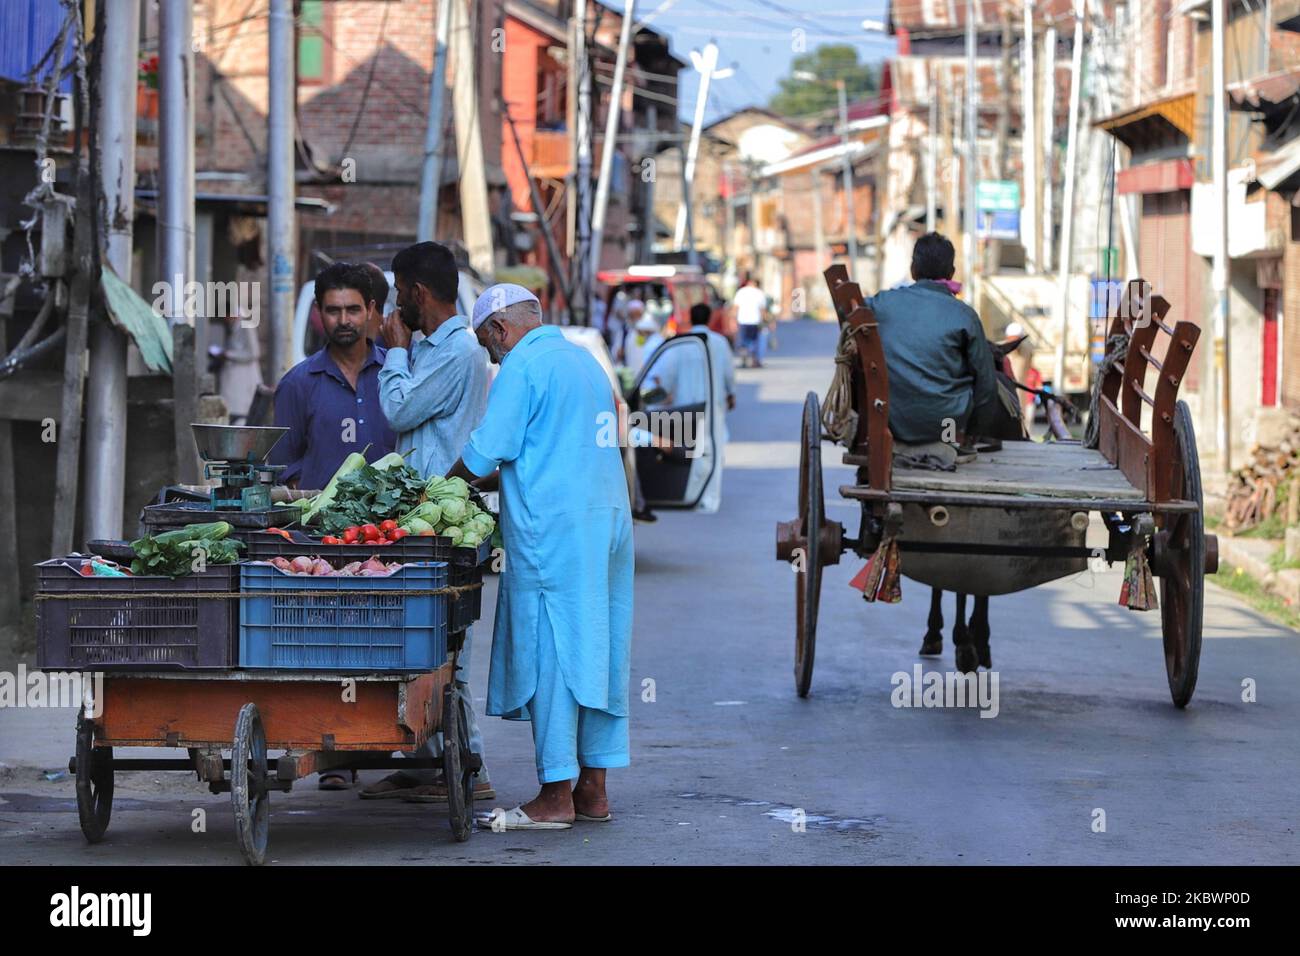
pixel 643 341
pixel 751 308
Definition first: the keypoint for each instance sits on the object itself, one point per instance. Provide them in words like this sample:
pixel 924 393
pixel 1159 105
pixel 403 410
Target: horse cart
pixel 1017 515
pixel 321 720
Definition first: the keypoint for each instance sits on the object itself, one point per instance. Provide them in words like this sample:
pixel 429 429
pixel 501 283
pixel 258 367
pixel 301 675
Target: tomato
pixel 382 541
pixel 369 532
pixel 397 534
pixel 387 526
pixel 330 539
pixel 350 535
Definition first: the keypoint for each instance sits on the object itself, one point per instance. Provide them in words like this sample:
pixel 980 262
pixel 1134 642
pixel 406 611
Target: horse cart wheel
pixel 94 781
pixel 457 766
pixel 808 566
pixel 248 790
pixel 1182 585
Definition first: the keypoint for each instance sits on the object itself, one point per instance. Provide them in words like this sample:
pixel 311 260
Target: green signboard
pixel 997 195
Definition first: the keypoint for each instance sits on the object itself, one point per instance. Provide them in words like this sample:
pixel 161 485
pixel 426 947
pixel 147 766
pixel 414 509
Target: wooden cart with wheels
pixel 319 720
pixel 1026 504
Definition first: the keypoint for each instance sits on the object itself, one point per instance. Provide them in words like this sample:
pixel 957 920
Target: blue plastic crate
pixel 334 628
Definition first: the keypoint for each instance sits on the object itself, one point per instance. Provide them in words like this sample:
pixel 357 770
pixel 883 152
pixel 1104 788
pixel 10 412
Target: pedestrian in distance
pixel 750 304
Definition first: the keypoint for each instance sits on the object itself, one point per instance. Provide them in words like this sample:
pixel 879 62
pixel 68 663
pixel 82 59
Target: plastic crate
pixel 342 624
pixel 468 607
pixel 466 563
pixel 264 545
pixel 155 519
pixel 107 627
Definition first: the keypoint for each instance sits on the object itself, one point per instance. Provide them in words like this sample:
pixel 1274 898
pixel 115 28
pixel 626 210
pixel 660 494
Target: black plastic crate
pixel 108 627
pixel 264 545
pixel 155 519
pixel 468 607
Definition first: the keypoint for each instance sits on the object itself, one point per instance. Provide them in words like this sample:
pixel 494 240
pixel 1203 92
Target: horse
pixel 970 637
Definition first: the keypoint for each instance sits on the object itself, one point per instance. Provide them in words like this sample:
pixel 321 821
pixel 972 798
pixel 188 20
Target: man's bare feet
pixel 589 796
pixel 553 805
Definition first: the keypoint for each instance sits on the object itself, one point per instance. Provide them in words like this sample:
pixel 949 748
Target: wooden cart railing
pixel 1148 461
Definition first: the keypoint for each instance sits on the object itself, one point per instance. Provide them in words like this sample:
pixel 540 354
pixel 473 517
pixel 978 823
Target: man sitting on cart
pixel 942 382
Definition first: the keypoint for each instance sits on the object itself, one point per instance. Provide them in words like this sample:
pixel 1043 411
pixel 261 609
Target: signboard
pixel 999 224
pixel 997 195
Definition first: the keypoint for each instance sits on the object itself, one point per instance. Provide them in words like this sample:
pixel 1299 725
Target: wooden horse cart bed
pixel 1028 504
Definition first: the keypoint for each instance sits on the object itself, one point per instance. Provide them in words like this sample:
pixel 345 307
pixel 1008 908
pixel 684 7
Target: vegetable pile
pixel 386 532
pixel 176 553
pixel 319 567
pixel 448 511
pixel 367 494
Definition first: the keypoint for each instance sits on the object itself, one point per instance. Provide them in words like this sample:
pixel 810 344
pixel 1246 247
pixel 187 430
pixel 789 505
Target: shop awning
pixel 1275 168
pixel 1154 124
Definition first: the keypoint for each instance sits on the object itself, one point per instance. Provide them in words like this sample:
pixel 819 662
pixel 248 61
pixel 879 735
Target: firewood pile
pixel 1267 487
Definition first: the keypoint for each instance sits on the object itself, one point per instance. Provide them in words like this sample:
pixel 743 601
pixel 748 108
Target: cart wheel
pixel 808 570
pixel 455 763
pixel 94 781
pixel 1182 586
pixel 248 791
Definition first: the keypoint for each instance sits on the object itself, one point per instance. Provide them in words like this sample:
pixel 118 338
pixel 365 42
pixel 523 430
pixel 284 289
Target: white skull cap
pixel 497 297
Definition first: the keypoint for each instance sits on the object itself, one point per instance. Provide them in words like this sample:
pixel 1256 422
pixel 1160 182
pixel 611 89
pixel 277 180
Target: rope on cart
pixel 838 417
pixel 1116 349
pixel 455 590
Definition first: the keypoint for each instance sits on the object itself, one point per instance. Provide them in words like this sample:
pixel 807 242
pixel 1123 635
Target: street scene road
pixel 729 765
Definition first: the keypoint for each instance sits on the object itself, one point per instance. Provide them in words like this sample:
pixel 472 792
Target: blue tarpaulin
pixel 27 30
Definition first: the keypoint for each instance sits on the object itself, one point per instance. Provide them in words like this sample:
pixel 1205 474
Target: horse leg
pixel 979 629
pixel 963 643
pixel 932 643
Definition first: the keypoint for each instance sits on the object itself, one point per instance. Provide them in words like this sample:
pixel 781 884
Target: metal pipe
pixel 1029 143
pixel 611 131
pixel 1048 143
pixel 105 435
pixel 431 170
pixel 176 155
pixel 704 65
pixel 281 235
pixel 581 285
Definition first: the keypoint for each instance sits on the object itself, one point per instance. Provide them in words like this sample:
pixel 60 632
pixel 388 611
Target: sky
pixel 757 38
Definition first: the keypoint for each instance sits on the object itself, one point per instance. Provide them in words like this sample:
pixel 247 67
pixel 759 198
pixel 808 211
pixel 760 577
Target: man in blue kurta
pixel 563 633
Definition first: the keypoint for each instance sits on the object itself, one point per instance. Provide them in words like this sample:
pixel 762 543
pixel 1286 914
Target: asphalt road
pixel 727 759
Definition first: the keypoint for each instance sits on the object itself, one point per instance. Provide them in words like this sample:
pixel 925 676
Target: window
pixel 313 61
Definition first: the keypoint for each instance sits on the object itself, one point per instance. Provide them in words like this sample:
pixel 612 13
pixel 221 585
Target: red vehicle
pixel 681 286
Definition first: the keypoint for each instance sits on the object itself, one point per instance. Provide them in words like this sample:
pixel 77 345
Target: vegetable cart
pixel 1017 515
pixel 311 716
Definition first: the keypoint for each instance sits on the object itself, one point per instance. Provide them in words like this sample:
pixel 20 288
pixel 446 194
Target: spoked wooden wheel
pixel 808 566
pixel 1182 583
pixel 94 781
pixel 458 764
pixel 248 790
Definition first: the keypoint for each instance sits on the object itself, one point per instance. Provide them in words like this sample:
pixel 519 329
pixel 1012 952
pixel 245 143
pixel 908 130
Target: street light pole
pixel 1064 257
pixel 1219 274
pixel 704 64
pixel 611 137
pixel 850 217
pixel 431 169
pixel 972 163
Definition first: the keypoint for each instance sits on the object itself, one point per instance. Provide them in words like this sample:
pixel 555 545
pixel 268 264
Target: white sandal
pixel 516 819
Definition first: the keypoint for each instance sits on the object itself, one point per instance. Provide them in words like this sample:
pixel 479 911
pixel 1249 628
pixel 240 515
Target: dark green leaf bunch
pixel 370 495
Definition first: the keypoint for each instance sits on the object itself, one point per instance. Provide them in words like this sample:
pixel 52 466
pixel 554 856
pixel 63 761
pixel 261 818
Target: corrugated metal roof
pixel 29 27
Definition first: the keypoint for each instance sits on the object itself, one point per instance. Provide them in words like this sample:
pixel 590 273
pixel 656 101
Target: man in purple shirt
pixel 330 400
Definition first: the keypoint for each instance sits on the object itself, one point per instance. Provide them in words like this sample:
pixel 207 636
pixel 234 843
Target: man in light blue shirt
pixel 563 631
pixel 433 393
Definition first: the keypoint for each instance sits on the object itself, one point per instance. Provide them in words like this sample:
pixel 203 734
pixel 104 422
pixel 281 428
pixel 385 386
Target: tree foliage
pixel 830 62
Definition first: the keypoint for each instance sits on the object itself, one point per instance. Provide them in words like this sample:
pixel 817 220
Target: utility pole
pixel 931 154
pixel 1049 136
pixel 105 433
pixel 581 282
pixel 648 220
pixel 1064 263
pixel 1219 274
pixel 431 170
pixel 176 218
pixel 850 217
pixel 993 250
pixel 476 219
pixel 282 236
pixel 1029 144
pixel 611 138
pixel 972 163
pixel 705 64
